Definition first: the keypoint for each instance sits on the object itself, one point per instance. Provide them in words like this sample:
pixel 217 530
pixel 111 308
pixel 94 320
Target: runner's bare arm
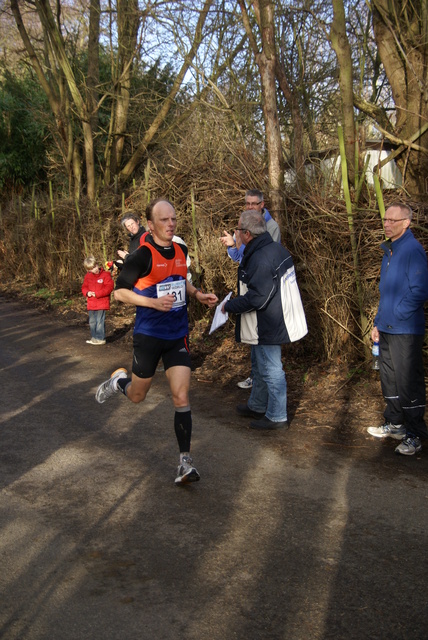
pixel 130 297
pixel 210 299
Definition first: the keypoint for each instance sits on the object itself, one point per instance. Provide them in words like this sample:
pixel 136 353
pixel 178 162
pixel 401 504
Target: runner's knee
pixel 137 391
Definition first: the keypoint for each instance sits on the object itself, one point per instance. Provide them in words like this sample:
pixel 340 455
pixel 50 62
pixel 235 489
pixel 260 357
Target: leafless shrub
pixel 207 189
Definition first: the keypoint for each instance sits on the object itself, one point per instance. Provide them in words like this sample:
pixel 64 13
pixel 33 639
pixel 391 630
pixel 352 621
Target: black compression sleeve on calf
pixel 183 428
pixel 122 383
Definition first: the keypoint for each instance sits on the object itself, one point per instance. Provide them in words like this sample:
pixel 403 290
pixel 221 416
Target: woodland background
pixel 106 104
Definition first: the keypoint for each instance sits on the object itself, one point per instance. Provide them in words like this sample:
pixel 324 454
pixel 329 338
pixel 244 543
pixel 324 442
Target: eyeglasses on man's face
pixel 392 221
pixel 240 229
pixel 253 204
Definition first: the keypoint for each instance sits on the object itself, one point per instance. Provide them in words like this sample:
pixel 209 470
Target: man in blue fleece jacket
pixel 399 327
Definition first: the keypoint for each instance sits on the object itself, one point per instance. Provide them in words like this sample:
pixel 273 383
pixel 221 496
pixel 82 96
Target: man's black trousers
pixel 403 381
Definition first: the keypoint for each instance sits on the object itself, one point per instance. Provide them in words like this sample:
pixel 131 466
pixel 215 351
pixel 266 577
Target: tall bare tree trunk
pixel 401 32
pixel 296 117
pixel 93 75
pixel 128 23
pixel 128 20
pixel 340 44
pixel 139 153
pixel 266 62
pixel 54 88
pixel 56 42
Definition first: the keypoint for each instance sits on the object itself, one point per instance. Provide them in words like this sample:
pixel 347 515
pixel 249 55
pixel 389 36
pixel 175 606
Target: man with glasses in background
pixel 399 327
pixel 254 201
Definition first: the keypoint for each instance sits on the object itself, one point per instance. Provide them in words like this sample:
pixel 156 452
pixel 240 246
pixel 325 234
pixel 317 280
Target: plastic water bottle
pixel 375 354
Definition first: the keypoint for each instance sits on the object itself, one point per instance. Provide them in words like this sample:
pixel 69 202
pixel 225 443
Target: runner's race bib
pixel 177 288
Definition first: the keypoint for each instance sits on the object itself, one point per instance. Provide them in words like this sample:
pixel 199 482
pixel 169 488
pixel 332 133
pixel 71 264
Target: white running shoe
pixel 186 472
pixel 409 446
pixel 109 387
pixel 246 384
pixel 388 430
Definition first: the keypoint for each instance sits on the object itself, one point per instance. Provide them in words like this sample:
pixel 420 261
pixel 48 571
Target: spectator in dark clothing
pixel 269 313
pixel 131 223
pixel 399 327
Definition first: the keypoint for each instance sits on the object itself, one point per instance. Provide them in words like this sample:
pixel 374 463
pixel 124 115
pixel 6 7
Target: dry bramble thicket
pixel 43 241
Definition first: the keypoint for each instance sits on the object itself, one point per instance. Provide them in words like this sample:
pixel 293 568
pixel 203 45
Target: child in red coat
pixel 97 287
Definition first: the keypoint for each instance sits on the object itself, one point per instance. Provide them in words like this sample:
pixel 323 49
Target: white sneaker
pixel 409 446
pixel 388 430
pixel 186 472
pixel 246 384
pixel 109 387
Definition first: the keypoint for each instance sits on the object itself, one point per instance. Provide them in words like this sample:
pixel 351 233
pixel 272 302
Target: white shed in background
pixel 389 174
pixel 327 163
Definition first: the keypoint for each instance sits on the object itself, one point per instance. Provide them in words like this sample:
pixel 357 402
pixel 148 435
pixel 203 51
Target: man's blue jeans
pixel 97 323
pixel 269 391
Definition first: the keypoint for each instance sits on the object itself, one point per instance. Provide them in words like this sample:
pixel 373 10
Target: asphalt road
pixel 97 542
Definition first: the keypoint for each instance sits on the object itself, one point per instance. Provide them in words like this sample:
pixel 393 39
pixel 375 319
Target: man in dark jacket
pixel 399 327
pixel 269 313
pixel 254 201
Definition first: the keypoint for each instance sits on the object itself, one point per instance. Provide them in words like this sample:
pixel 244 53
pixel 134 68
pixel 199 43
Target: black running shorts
pixel 148 351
